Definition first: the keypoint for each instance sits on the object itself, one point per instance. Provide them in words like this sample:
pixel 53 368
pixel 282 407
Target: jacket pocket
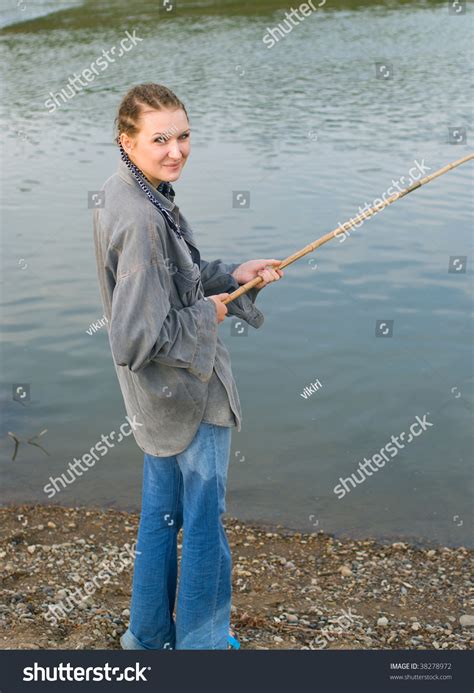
pixel 164 391
pixel 187 280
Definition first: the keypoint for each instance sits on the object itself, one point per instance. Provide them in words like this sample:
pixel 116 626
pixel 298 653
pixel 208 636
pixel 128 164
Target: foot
pixel 233 642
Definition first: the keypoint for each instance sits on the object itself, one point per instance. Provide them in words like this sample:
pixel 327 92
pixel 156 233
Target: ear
pixel 126 142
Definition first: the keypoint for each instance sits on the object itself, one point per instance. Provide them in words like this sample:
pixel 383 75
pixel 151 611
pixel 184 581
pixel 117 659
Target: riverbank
pixel 290 590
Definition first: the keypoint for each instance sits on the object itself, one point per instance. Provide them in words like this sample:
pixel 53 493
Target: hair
pixel 151 95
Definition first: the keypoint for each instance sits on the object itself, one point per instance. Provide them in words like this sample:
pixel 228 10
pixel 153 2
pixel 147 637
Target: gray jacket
pixel 163 331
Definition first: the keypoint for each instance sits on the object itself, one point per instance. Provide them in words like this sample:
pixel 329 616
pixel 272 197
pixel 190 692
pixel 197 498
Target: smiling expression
pixel 162 145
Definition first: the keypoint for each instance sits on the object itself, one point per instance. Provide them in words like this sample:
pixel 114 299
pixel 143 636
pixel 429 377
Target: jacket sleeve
pixel 143 326
pixel 217 278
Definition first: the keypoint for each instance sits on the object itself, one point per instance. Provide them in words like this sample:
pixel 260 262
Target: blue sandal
pixel 234 644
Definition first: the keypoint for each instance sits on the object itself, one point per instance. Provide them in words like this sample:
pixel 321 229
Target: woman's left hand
pixel 258 268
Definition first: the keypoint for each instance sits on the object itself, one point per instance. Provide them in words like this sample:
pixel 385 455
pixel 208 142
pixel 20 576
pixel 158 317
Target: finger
pixel 273 275
pixel 269 276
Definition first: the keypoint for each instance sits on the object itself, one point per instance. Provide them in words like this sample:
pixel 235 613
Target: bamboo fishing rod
pixel 349 224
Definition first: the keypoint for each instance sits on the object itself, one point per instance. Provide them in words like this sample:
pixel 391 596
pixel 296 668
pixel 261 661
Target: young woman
pixel 164 304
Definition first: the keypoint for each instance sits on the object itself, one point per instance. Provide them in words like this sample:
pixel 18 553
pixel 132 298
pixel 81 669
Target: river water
pixel 309 130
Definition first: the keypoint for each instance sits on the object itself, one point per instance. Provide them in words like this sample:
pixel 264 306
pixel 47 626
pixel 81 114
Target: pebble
pixel 466 620
pixel 312 580
pixel 31 548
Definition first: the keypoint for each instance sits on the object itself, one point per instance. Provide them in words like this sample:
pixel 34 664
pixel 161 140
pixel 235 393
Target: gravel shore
pixel 290 590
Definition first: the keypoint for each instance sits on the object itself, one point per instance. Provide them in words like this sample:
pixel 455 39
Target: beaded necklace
pixel 165 188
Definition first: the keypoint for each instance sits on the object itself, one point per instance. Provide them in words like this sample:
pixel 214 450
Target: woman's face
pixel 162 146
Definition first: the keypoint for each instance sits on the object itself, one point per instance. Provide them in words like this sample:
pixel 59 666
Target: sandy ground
pixel 290 590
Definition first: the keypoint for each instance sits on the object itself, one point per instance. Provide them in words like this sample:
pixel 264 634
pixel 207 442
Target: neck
pixel 153 181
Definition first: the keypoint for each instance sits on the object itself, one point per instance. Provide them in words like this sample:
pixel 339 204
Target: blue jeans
pixel 186 490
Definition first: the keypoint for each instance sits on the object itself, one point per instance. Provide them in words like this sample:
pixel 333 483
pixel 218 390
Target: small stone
pixel 466 620
pixel 31 548
pixel 382 621
pixel 51 525
pixel 292 618
pixel 277 638
pixel 345 571
pixel 415 626
pixel 125 612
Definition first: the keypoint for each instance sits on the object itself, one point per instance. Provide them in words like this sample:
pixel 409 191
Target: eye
pixel 185 136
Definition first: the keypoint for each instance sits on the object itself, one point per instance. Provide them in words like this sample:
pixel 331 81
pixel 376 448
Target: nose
pixel 174 152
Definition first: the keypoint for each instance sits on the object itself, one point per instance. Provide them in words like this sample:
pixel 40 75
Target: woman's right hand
pixel 220 307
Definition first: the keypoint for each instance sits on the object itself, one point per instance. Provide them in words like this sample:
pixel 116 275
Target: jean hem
pixel 129 642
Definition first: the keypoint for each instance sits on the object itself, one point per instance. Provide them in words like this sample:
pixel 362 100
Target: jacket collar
pixel 125 173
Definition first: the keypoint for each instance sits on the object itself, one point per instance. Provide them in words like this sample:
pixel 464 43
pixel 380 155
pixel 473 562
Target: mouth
pixel 174 166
